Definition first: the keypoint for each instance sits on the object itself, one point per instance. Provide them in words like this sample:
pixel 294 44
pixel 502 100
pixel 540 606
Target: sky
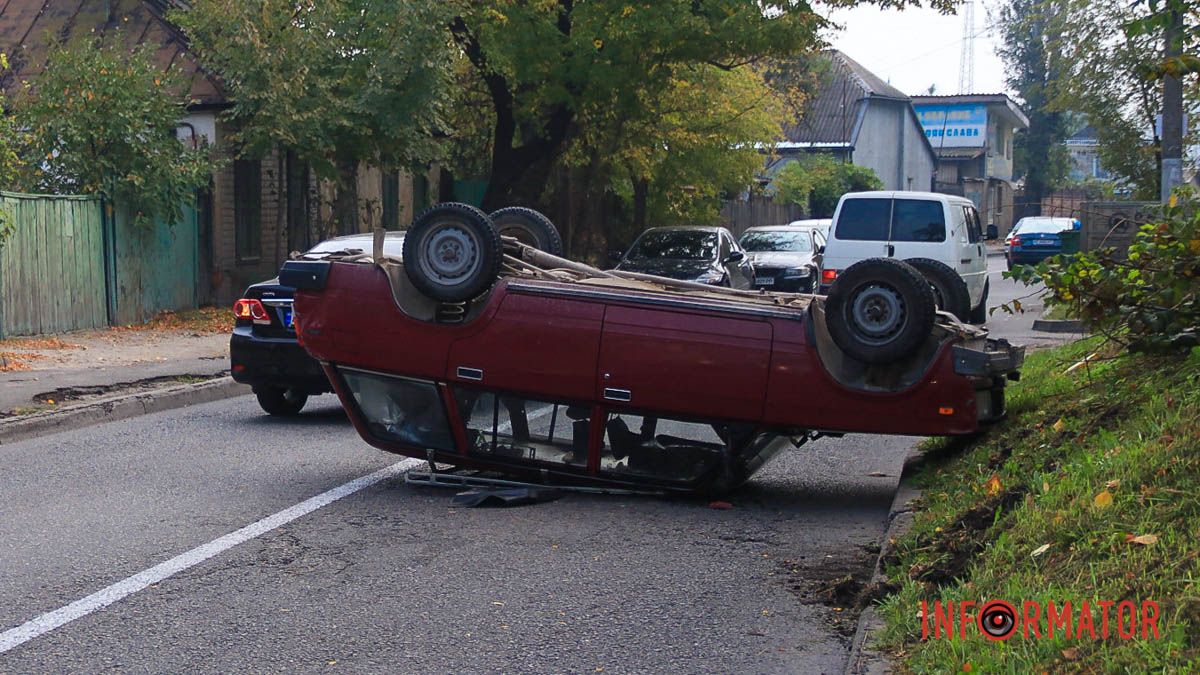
pixel 915 48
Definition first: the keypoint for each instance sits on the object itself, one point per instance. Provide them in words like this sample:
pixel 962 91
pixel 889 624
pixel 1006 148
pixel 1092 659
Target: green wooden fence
pixel 52 267
pixel 74 263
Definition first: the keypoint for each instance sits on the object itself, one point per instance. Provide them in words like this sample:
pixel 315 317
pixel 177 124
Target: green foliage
pixel 699 143
pixel 335 81
pixel 1085 492
pixel 1101 53
pixel 338 83
pixel 817 181
pixel 1149 301
pixel 101 120
pixel 9 161
pixel 547 65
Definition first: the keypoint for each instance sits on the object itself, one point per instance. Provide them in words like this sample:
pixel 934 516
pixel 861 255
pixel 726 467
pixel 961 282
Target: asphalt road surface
pixel 116 555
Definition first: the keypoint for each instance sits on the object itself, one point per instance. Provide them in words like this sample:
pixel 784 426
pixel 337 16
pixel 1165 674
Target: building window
pixel 390 195
pixel 247 209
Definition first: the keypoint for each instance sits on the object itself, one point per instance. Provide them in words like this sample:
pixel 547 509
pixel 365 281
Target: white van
pixel 938 234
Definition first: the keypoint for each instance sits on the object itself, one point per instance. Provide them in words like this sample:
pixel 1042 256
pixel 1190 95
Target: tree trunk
pixel 641 193
pixel 346 204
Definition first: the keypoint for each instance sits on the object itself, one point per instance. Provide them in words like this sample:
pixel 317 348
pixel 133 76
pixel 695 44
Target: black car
pixel 263 349
pixel 782 256
pixel 706 255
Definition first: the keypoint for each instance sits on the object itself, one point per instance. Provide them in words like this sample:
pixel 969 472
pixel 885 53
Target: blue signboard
pixel 959 125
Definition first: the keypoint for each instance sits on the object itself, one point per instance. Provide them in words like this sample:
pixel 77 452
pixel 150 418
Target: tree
pixel 101 119
pixel 546 62
pixel 1102 75
pixel 1027 31
pixel 337 82
pixel 817 182
pixel 9 164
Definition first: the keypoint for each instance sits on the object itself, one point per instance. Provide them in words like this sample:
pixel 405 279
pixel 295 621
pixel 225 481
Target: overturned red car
pixel 483 348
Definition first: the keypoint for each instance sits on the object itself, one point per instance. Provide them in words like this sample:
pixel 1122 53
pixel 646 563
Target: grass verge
pixel 1090 491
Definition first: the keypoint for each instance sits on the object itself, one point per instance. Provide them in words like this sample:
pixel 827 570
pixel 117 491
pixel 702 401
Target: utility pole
pixel 1172 114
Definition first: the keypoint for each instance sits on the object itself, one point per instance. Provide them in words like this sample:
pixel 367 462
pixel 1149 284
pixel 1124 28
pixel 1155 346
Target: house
pixel 972 135
pixel 857 117
pixel 1084 149
pixel 257 209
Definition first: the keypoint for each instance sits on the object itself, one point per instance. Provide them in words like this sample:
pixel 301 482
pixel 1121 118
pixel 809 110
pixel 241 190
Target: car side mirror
pixel 615 255
pixel 821 250
pixel 734 257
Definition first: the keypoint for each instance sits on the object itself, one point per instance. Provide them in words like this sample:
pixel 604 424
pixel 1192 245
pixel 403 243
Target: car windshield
pixel 1043 227
pixel 777 240
pixel 675 245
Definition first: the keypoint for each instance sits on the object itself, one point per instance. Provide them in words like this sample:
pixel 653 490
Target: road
pixel 393 578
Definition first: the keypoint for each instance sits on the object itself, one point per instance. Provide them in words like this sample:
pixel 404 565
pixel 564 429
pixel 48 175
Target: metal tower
pixel 966 59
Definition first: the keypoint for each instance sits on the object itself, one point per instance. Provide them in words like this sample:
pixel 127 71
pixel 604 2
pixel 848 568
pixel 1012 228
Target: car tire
pixel 281 402
pixel 949 290
pixel 529 227
pixel 452 252
pixel 1009 263
pixel 979 313
pixel 880 310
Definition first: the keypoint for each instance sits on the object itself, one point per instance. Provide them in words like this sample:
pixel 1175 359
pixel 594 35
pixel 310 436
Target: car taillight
pixel 828 276
pixel 250 308
pixel 1016 241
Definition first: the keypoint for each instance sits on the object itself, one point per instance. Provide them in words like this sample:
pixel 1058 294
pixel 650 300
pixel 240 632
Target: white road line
pixel 49 621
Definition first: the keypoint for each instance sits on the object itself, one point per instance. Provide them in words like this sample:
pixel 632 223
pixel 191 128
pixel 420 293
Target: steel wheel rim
pixel 877 313
pixel 521 233
pixel 449 253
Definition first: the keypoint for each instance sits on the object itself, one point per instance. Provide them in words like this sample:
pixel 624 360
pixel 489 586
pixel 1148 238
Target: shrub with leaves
pixel 1149 300
pixel 816 182
pixel 101 120
pixel 9 164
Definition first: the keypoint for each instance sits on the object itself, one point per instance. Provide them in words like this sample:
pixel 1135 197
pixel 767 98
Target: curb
pixel 118 407
pixel 1059 326
pixel 864 659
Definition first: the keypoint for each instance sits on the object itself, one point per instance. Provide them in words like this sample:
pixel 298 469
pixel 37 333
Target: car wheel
pixel 1009 263
pixel 280 401
pixel 880 310
pixel 452 252
pixel 528 227
pixel 979 313
pixel 949 290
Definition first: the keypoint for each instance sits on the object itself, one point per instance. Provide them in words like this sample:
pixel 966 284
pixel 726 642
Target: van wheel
pixel 880 310
pixel 452 252
pixel 949 290
pixel 979 314
pixel 529 227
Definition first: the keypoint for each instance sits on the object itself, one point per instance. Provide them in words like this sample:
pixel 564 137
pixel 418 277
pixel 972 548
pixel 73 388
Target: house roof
pixel 960 154
pixel 1000 103
pixel 832 117
pixel 1085 136
pixel 27 26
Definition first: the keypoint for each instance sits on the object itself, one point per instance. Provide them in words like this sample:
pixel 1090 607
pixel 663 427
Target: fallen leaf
pixel 877 474
pixel 1059 425
pixel 1071 653
pixel 966 668
pixel 1045 486
pixel 1103 500
pixel 1145 540
pixel 1113 484
pixel 720 506
pixel 993 485
pixel 1039 550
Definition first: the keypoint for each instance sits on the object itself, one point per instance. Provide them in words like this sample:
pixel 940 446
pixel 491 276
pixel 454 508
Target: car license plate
pixel 287 318
pixel 1044 242
pixel 764 281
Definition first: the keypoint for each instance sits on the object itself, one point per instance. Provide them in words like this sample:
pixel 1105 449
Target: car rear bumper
pixel 989 364
pixel 1028 257
pixel 274 362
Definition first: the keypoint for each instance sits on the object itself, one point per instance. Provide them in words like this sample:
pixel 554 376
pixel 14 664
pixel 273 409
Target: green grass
pixel 1126 425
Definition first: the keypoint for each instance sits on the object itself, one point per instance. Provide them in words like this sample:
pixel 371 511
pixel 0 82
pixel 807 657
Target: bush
pixel 816 182
pixel 1148 301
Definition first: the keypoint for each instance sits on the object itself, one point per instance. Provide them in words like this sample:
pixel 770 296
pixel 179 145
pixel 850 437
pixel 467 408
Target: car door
pixel 972 261
pixel 922 228
pixel 739 272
